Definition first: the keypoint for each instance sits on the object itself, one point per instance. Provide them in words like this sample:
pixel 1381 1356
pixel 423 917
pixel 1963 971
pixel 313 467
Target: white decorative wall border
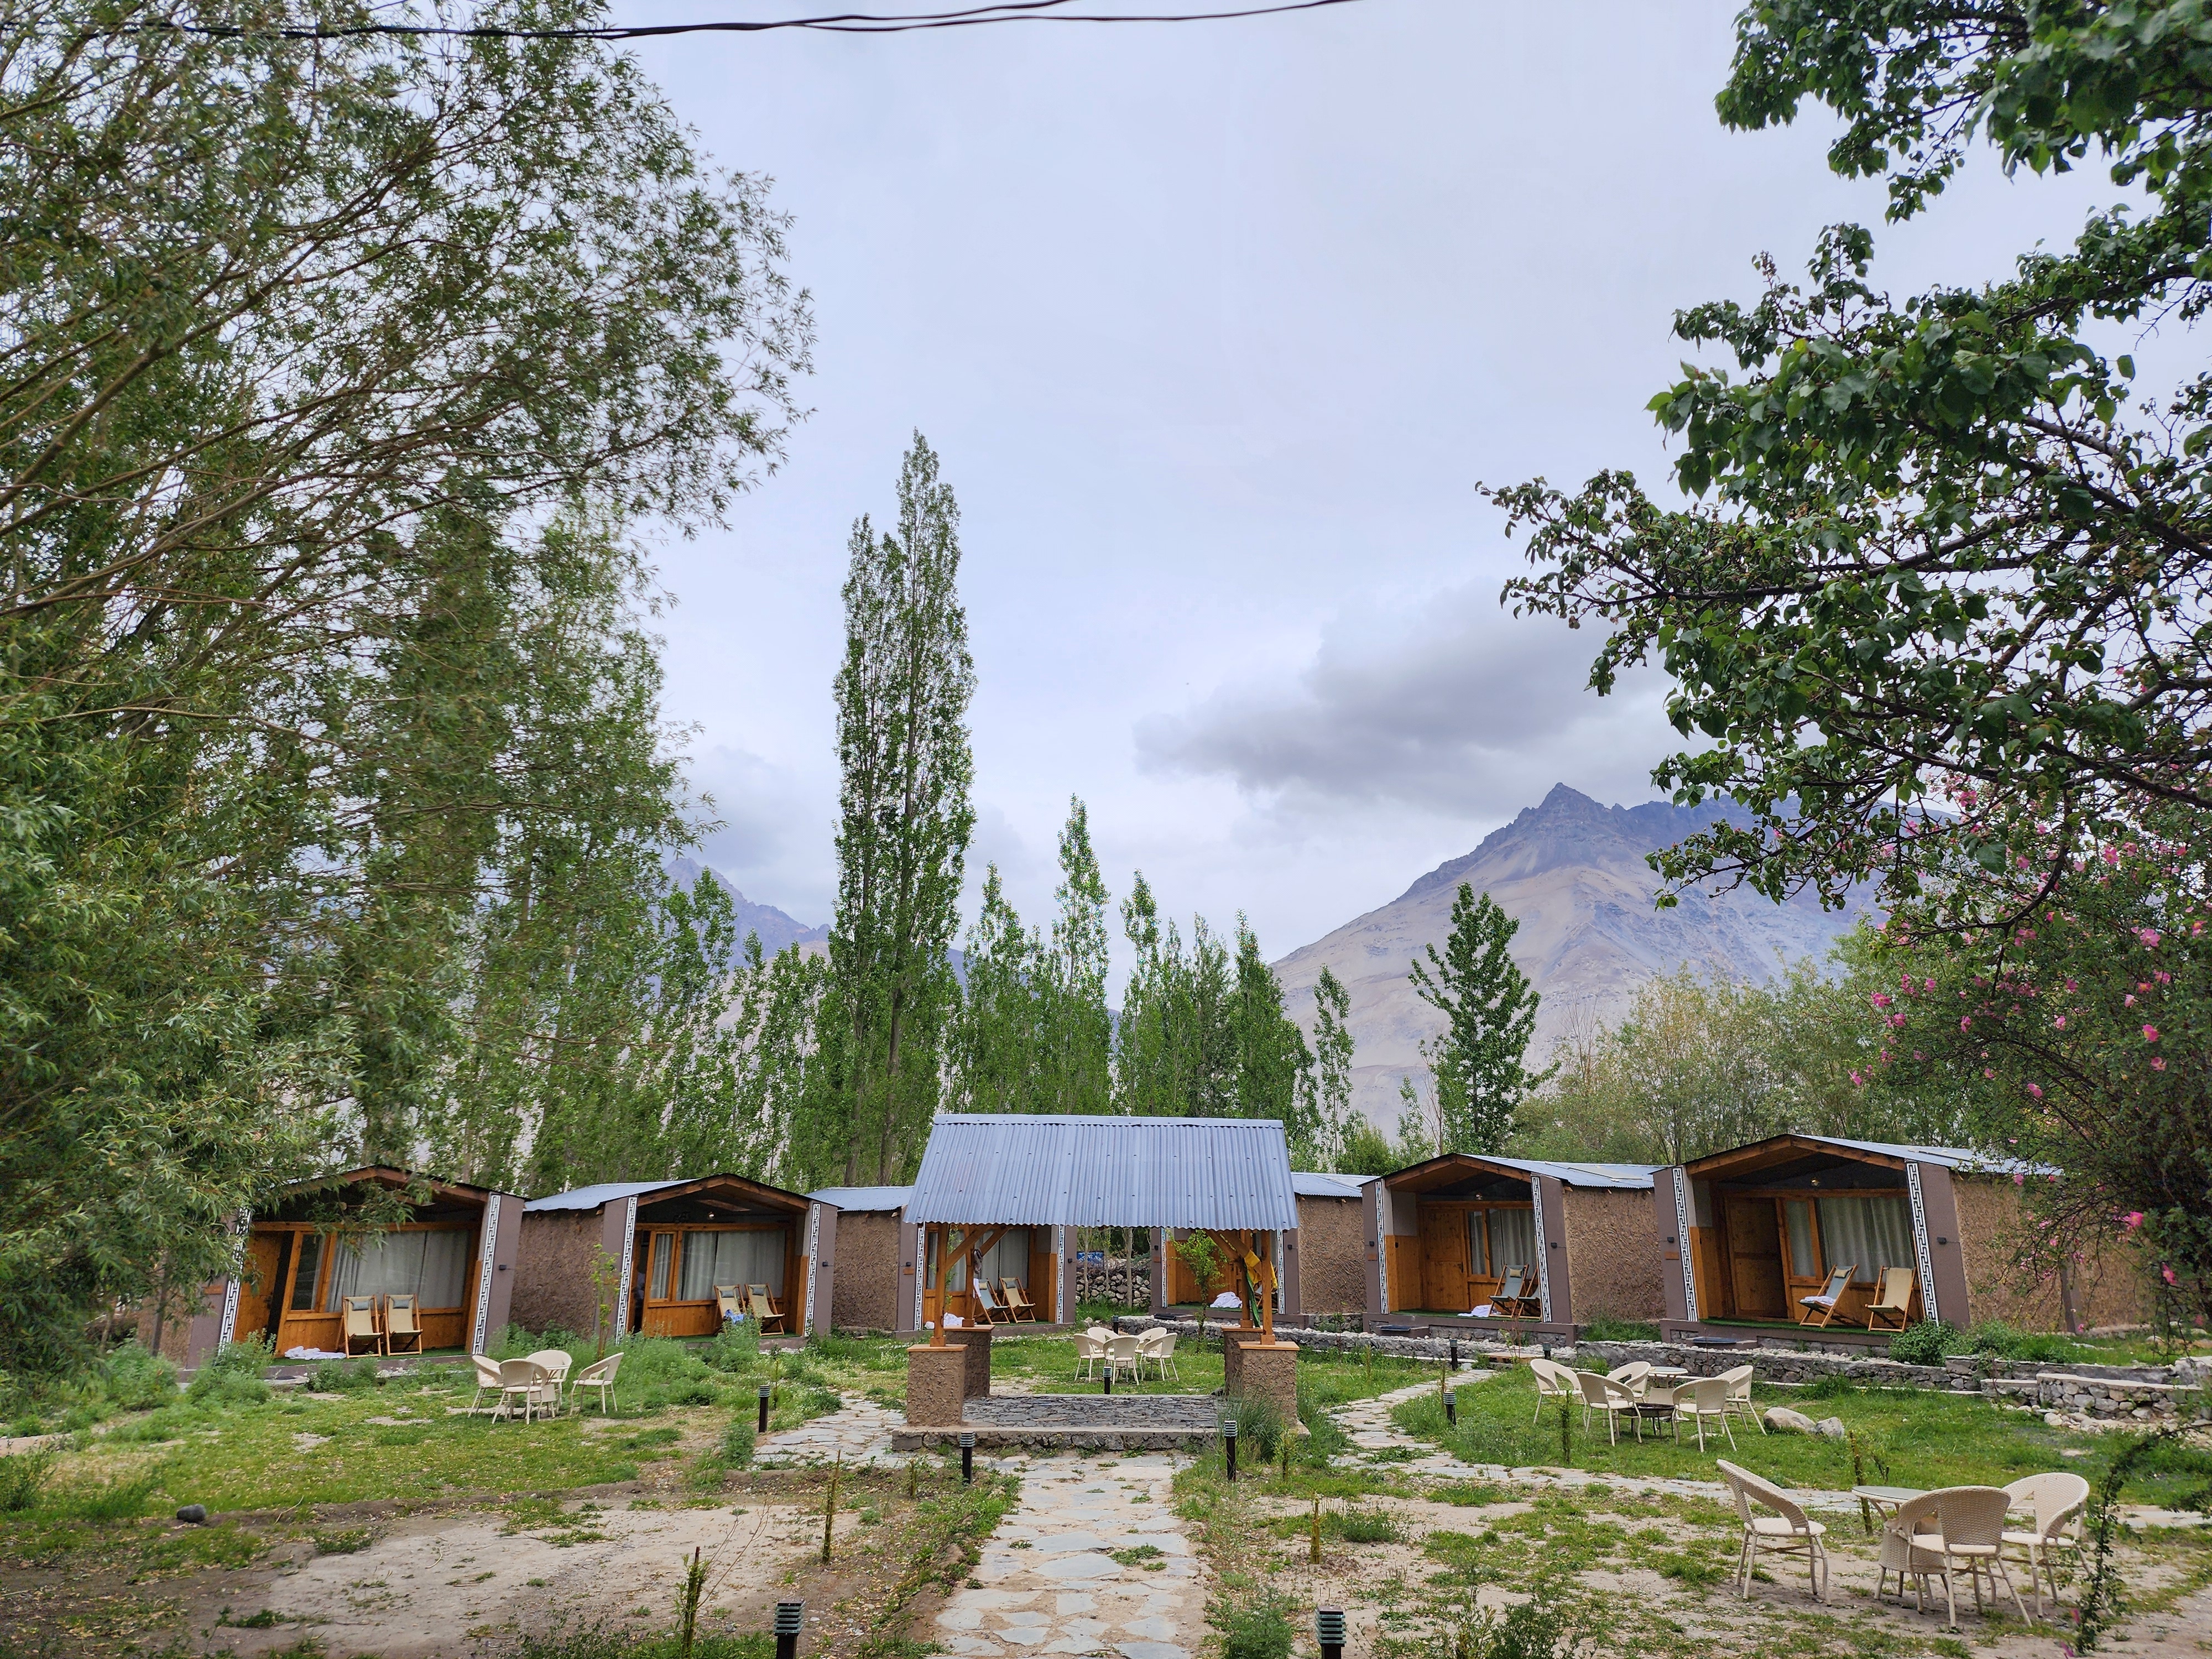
pixel 1920 1244
pixel 628 1258
pixel 1543 1249
pixel 486 1258
pixel 1681 1180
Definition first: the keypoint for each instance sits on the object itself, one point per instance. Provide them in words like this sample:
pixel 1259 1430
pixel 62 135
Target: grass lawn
pixel 1047 1365
pixel 1903 1438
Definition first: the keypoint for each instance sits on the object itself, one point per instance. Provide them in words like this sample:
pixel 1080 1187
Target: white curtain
pixel 1867 1234
pixel 1007 1258
pixel 1512 1240
pixel 752 1256
pixel 431 1264
pixel 1478 1258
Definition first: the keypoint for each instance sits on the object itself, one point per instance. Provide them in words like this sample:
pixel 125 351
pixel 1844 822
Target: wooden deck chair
pixel 1820 1310
pixel 1516 1295
pixel 403 1324
pixel 728 1303
pixel 765 1310
pixel 1018 1304
pixel 361 1326
pixel 1895 1302
pixel 988 1309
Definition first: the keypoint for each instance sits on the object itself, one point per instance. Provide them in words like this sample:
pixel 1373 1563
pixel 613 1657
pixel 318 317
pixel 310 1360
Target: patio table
pixel 1671 1372
pixel 1887 1498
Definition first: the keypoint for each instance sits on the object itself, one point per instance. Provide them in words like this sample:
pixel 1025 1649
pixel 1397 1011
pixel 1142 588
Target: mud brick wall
pixel 553 1271
pixel 1993 1220
pixel 864 1282
pixel 1612 1258
pixel 1332 1256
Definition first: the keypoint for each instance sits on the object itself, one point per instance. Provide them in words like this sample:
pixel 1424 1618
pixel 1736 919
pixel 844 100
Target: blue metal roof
pixel 1620 1177
pixel 1951 1157
pixel 982 1170
pixel 1307 1184
pixel 863 1199
pixel 590 1198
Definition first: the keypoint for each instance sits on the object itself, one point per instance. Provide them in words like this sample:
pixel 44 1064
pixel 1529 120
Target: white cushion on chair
pixel 1775 1526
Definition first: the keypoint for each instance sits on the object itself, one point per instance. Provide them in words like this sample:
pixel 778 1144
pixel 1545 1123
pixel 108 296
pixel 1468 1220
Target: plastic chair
pixel 555 1362
pixel 1090 1351
pixel 1973 1523
pixel 1632 1376
pixel 1161 1352
pixel 1700 1400
pixel 1602 1394
pixel 487 1377
pixel 1911 1546
pixel 522 1379
pixel 402 1323
pixel 600 1375
pixel 1553 1382
pixel 1738 1379
pixel 2058 1500
pixel 1123 1359
pixel 1787 1531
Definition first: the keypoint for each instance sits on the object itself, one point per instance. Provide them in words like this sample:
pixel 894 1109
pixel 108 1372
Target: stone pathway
pixel 1093 1561
pixel 861 1429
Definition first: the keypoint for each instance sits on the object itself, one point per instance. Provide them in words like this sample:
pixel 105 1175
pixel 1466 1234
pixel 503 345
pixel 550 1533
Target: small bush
pixel 738 1442
pixel 735 1348
pixel 1256 1628
pixel 22 1477
pixel 136 1379
pixel 1260 1427
pixel 1357 1525
pixel 105 1500
pixel 1536 1629
pixel 1996 1338
pixel 342 1376
pixel 1924 1344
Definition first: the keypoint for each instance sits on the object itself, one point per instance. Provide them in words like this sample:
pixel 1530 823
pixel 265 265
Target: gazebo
pixel 983 1175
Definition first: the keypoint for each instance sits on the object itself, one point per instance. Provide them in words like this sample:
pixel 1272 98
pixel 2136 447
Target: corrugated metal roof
pixel 1620 1177
pixel 1306 1184
pixel 1951 1157
pixel 864 1198
pixel 590 1198
pixel 985 1170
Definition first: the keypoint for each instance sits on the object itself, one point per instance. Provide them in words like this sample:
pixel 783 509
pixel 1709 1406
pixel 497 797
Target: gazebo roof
pixel 986 1170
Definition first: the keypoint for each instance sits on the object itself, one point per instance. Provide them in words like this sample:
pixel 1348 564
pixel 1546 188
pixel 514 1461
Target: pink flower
pixel 1858 1080
pixel 2133 1217
pixel 2020 1181
pixel 1966 1025
pixel 2167 1273
pixel 2036 1090
pixel 1882 998
pixel 2150 1034
pixel 2148 935
pixel 2072 985
pixel 2156 1064
pixel 1931 984
pixel 2131 998
pixel 2060 1022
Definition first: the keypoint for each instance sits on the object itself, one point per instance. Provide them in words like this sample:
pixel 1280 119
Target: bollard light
pixel 966 1460
pixel 1451 1407
pixel 1455 1353
pixel 1328 1631
pixel 1106 1378
pixel 1229 1445
pixel 764 1390
pixel 790 1618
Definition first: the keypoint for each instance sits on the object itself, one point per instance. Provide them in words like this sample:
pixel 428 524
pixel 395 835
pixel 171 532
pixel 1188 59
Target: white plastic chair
pixel 1632 1376
pixel 600 1375
pixel 1702 1401
pixel 1090 1351
pixel 1971 1521
pixel 2058 1500
pixel 556 1361
pixel 1161 1354
pixel 1553 1382
pixel 1739 1394
pixel 1602 1394
pixel 1911 1546
pixel 487 1377
pixel 1124 1357
pixel 1787 1531
pixel 523 1379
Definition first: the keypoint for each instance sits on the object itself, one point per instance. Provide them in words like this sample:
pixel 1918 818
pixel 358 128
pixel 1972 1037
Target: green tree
pixel 998 1047
pixel 1176 1052
pixel 1326 1117
pixel 339 372
pixel 1078 1032
pixel 902 696
pixel 1271 1059
pixel 1490 1011
pixel 1937 554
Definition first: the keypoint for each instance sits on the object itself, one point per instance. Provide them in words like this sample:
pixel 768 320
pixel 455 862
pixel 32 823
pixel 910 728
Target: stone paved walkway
pixel 861 1429
pixel 1050 1579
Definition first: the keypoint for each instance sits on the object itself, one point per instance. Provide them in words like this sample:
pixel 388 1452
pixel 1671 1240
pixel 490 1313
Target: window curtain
pixel 1478 1253
pixel 1007 1258
pixel 1804 1259
pixel 1867 1234
pixel 430 1264
pixel 753 1256
pixel 1512 1240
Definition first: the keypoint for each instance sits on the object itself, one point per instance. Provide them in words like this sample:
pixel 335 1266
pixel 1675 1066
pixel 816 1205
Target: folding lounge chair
pixel 1820 1310
pixel 1889 1309
pixel 1787 1531
pixel 402 1328
pixel 360 1312
pixel 987 1308
pixel 1017 1303
pixel 1514 1297
pixel 765 1310
pixel 729 1303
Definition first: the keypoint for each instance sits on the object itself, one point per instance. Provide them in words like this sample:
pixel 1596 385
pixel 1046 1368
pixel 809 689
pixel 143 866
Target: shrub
pixel 22 1477
pixel 734 1348
pixel 1924 1344
pixel 1997 1338
pixel 104 1500
pixel 1260 1427
pixel 136 1379
pixel 1536 1629
pixel 1258 1627
pixel 738 1442
pixel 340 1375
pixel 1358 1526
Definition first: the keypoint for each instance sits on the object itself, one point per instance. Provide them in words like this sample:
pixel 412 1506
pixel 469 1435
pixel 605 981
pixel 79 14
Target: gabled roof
pixel 1614 1177
pixel 862 1200
pixel 984 1170
pixel 1307 1184
pixel 1892 1154
pixel 390 1176
pixel 610 1192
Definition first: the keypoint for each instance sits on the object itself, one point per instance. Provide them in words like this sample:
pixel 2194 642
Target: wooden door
pixel 1443 1259
pixel 261 1286
pixel 1754 1242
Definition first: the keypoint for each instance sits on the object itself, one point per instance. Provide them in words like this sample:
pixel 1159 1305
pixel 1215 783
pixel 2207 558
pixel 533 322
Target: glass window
pixel 1804 1248
pixel 1477 1245
pixel 753 1255
pixel 428 1263
pixel 1513 1239
pixel 1007 1258
pixel 955 1281
pixel 311 1269
pixel 664 1251
pixel 1868 1234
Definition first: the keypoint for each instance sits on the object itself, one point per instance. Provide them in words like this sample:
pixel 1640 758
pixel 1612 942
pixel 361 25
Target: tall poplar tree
pixel 1491 1011
pixel 1078 1032
pixel 903 697
pixel 1321 1132
pixel 1271 1057
pixel 997 1046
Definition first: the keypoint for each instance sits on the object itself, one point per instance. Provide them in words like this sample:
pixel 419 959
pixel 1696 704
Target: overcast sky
pixel 1217 328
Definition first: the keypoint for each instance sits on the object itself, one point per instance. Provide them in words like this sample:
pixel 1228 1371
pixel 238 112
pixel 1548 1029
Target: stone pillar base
pixel 975 1341
pixel 935 1386
pixel 1269 1370
pixel 1233 1337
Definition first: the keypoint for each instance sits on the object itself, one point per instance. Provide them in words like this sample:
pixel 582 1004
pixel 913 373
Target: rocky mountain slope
pixel 1572 874
pixel 776 930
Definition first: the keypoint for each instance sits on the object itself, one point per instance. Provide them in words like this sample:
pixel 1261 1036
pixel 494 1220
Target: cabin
pixel 873 1288
pixel 648 1256
pixel 318 1242
pixel 1326 1272
pixel 1747 1235
pixel 1447 1241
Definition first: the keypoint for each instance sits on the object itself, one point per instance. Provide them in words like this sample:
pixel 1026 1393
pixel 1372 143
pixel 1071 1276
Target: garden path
pixel 1092 1560
pixel 861 1429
